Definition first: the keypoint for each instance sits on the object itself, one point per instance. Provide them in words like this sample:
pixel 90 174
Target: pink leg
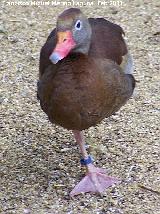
pixel 95 180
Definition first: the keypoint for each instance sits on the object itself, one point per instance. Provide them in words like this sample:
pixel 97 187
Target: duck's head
pixel 73 33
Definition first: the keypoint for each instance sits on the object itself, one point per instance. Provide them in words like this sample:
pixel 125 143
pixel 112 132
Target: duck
pixel 85 75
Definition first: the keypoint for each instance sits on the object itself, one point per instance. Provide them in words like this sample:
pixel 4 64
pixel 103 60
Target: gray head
pixel 73 34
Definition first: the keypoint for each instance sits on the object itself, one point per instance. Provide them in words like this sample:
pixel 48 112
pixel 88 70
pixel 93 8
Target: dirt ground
pixel 40 161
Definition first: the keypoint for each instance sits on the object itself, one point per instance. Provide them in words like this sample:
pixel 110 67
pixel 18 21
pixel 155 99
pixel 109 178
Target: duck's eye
pixel 78 25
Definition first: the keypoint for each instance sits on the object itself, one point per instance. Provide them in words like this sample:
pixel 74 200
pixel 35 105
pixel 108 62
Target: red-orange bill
pixel 64 45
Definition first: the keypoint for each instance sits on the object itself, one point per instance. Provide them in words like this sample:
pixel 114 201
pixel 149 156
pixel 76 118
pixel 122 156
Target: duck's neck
pixel 84 46
pixel 83 50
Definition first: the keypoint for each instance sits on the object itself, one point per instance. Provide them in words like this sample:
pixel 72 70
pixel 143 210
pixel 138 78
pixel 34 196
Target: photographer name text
pixel 66 3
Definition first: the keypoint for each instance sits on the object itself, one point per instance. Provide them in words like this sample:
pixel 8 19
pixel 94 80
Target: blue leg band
pixel 86 161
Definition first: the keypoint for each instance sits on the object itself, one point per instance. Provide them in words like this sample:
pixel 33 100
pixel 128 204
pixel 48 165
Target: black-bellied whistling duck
pixel 85 76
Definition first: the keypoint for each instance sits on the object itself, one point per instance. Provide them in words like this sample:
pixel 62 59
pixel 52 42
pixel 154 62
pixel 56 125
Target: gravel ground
pixel 39 161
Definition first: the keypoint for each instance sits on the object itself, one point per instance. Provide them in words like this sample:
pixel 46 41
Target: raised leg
pixel 95 180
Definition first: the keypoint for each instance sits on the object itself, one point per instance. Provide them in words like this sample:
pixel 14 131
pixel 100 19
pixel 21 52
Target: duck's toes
pixel 95 182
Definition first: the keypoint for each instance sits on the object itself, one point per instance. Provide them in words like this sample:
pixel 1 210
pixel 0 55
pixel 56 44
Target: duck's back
pixel 107 40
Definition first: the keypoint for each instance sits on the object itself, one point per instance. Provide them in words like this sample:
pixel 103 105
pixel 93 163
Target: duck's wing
pixel 127 64
pixel 107 40
pixel 119 86
pixel 45 64
pixel 46 51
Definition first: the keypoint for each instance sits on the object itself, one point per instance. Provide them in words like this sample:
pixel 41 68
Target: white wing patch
pixel 127 64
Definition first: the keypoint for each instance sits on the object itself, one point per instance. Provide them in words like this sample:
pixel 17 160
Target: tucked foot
pixel 95 181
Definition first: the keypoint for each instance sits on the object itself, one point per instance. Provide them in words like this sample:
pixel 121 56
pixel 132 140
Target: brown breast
pixel 82 91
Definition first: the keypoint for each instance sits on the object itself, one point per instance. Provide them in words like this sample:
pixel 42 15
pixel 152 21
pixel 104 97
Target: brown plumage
pixel 79 92
pixel 83 88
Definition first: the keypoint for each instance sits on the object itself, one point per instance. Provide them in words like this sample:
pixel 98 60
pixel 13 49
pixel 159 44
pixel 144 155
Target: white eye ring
pixel 78 25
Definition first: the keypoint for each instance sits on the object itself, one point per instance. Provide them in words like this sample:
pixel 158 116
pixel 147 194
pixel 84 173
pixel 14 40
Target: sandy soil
pixel 39 161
